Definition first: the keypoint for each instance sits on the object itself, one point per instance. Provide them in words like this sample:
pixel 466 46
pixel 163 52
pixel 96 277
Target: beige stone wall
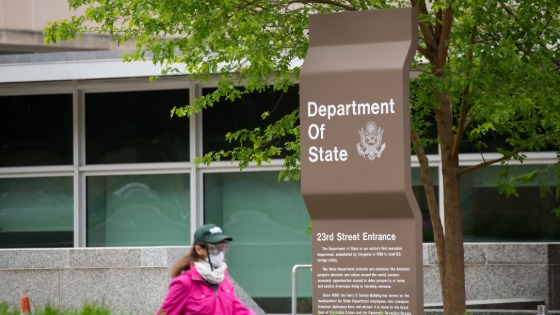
pixel 22 23
pixel 31 15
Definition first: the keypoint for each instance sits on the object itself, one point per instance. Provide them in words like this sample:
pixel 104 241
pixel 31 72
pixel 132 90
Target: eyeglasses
pixel 215 249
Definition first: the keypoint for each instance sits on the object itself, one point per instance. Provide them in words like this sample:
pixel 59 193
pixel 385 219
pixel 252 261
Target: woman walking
pixel 200 283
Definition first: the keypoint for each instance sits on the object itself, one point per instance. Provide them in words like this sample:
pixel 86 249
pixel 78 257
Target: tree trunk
pixel 451 260
pixel 449 246
pixel 454 287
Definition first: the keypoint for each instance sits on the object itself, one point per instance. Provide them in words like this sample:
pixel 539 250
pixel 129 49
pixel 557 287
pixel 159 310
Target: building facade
pixel 90 157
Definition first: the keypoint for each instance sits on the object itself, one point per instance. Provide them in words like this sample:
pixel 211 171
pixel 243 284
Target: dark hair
pixel 184 263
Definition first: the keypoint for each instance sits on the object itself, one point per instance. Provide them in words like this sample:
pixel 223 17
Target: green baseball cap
pixel 210 233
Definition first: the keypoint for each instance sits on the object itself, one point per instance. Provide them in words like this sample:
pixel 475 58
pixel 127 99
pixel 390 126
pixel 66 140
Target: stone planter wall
pixel 498 273
pixel 129 280
pixel 135 280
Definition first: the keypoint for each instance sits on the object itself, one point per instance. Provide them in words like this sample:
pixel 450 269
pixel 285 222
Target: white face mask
pixel 217 260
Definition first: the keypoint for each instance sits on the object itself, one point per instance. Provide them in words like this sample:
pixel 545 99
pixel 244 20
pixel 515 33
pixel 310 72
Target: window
pixel 491 217
pixel 36 212
pixel 136 127
pixel 268 221
pixel 36 130
pixel 418 189
pixel 138 210
pixel 244 113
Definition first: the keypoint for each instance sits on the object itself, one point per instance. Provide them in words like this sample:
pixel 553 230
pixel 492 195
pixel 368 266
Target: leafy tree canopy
pixel 502 65
pixel 486 69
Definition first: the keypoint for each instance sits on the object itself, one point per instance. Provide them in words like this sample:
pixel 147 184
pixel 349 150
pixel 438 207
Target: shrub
pixel 87 309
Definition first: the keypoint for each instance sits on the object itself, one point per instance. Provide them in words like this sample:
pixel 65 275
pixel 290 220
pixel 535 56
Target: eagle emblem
pixel 370 141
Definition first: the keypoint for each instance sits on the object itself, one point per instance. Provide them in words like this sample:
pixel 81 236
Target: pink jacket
pixel 190 294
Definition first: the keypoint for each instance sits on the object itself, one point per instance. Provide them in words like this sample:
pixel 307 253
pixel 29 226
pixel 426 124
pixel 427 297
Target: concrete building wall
pixel 32 15
pixel 136 279
pixel 22 23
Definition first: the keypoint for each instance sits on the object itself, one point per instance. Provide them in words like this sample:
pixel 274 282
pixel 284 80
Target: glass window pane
pixel 136 127
pixel 491 142
pixel 488 143
pixel 268 222
pixel 36 212
pixel 36 130
pixel 245 113
pixel 138 210
pixel 489 216
pixel 420 194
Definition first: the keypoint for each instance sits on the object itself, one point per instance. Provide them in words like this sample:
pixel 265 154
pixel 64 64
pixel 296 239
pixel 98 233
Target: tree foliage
pixel 488 68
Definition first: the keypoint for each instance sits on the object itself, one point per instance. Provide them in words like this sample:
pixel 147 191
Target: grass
pixel 87 309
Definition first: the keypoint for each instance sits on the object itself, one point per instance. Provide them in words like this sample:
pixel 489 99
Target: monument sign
pixel 355 163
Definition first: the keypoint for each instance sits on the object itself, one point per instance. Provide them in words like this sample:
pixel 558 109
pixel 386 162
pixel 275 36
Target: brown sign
pixel 355 163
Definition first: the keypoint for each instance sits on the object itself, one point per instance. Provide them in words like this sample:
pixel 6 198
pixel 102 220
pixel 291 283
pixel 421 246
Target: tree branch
pixel 329 2
pixel 461 123
pixel 447 22
pixel 543 46
pixel 423 51
pixel 470 120
pixel 439 22
pixel 486 163
pixel 427 32
pixel 433 207
pixel 420 5
pixel 461 126
pixel 508 10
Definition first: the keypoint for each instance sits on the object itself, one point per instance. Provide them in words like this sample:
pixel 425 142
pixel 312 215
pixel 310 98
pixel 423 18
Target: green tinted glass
pixel 420 194
pixel 489 216
pixel 268 221
pixel 36 212
pixel 138 210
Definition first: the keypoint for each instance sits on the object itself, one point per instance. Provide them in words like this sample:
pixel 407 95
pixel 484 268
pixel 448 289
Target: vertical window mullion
pixel 79 177
pixel 197 193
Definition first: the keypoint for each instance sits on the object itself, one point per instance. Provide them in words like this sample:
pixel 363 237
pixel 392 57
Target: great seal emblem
pixel 370 145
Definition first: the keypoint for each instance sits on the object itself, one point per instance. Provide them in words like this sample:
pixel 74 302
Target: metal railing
pixel 294 286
